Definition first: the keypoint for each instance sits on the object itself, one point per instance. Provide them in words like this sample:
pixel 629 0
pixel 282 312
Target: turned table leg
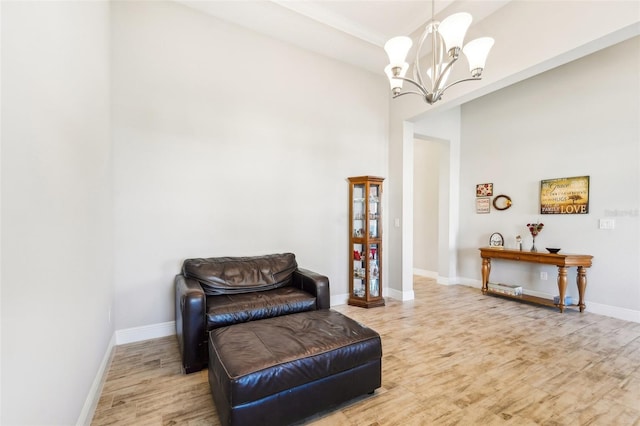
pixel 581 280
pixel 486 270
pixel 562 285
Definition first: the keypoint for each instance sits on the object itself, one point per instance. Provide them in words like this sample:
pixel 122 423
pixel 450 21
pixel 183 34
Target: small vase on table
pixel 535 229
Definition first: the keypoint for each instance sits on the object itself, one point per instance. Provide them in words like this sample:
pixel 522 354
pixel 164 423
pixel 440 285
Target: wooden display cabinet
pixel 365 241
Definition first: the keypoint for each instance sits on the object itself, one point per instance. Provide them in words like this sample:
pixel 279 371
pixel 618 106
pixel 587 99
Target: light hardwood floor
pixel 451 356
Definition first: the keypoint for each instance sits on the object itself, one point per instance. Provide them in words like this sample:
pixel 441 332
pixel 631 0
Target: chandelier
pixel 446 43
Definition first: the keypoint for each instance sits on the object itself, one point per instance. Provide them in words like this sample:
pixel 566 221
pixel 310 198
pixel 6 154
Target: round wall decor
pixel 502 202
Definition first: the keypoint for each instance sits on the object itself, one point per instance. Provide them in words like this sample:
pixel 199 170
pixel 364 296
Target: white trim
pixel 91 402
pixel 406 242
pixel 613 311
pixel 339 299
pixel 443 280
pixel 469 282
pixel 593 307
pixel 145 332
pixel 400 295
pixel 425 273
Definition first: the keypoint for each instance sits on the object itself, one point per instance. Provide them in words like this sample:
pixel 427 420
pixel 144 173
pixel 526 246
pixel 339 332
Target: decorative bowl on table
pixel 553 250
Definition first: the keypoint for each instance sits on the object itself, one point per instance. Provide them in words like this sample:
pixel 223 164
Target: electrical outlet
pixel 544 276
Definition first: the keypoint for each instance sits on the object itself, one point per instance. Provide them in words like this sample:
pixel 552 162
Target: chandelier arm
pixel 460 81
pixel 409 93
pixel 423 91
pixel 416 64
pixel 441 76
pixel 435 38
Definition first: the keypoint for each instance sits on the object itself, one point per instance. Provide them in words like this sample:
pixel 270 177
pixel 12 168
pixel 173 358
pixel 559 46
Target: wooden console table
pixel 562 261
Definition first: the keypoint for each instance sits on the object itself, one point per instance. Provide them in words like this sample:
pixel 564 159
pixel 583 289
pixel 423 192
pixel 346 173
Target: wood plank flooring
pixel 450 357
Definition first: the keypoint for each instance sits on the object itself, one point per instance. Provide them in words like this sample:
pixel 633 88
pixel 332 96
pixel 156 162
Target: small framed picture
pixel 484 190
pixel 483 205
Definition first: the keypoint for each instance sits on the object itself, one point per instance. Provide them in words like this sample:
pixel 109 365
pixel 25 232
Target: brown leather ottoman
pixel 280 370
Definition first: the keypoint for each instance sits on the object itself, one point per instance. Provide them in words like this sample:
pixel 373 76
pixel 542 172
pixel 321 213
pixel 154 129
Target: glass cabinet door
pixel 374 271
pixel 359 272
pixel 359 211
pixel 374 215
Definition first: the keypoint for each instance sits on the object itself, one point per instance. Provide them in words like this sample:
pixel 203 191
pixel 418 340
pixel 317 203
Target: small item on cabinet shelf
pixel 374 270
pixel 553 250
pixel 356 255
pixel 519 242
pixel 568 300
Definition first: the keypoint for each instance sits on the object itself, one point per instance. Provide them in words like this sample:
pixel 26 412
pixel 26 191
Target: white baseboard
pixel 146 332
pixel 613 311
pixel 425 273
pixel 470 282
pixel 91 402
pixel 593 307
pixel 120 337
pixel 434 275
pixel 339 299
pixel 399 295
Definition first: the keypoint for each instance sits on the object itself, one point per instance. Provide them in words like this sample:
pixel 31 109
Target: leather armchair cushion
pixel 229 309
pixel 233 275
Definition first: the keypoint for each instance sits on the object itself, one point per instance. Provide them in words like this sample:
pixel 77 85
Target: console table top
pixel 557 259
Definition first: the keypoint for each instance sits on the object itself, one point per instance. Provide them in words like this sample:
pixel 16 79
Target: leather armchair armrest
pixel 191 323
pixel 313 283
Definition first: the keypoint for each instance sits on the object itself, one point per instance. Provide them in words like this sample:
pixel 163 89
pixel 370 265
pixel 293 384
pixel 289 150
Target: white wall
pixel 57 258
pixel 230 143
pixel 426 182
pixel 565 122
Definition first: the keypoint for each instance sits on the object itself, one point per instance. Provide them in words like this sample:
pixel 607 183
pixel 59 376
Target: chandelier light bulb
pixel 476 52
pixel 397 49
pixel 453 29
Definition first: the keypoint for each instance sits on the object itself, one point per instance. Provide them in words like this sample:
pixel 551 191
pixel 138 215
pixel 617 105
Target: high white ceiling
pixel 353 31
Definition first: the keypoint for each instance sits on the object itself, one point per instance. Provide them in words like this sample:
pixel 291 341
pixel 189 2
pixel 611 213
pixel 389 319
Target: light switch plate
pixel 607 223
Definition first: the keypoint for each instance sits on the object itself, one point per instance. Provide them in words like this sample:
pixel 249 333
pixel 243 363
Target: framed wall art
pixel 483 205
pixel 565 195
pixel 484 190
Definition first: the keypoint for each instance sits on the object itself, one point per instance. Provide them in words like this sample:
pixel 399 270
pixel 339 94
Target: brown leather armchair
pixel 222 291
